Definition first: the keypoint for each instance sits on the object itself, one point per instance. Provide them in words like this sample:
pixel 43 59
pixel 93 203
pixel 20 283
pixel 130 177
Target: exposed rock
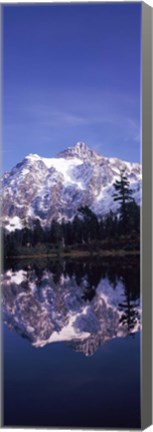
pixel 55 188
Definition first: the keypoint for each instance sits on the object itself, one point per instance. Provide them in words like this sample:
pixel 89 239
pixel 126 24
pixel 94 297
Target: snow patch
pixel 112 296
pixel 63 166
pixel 16 277
pixel 14 223
pixel 67 333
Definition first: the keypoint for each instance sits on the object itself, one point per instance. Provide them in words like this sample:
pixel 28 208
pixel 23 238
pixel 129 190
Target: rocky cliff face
pixel 48 188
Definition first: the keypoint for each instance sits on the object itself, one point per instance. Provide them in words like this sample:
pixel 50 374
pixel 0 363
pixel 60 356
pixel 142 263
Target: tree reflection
pixel 93 301
pixel 131 282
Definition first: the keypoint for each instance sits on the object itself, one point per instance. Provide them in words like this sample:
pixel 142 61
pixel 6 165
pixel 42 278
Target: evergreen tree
pixel 110 225
pixel 77 228
pixel 67 232
pixel 123 194
pixel 133 213
pixel 90 224
pixel 27 236
pixel 38 233
pixel 101 229
pixel 56 232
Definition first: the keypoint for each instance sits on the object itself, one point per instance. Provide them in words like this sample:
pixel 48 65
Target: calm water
pixel 72 344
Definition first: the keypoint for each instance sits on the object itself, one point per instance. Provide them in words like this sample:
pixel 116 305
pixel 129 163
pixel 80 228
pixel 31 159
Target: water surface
pixel 72 344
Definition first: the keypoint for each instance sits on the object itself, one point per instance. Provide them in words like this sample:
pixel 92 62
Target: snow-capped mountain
pixel 47 188
pixel 44 311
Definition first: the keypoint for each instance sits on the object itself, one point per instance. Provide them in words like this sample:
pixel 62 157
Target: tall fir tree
pixel 123 194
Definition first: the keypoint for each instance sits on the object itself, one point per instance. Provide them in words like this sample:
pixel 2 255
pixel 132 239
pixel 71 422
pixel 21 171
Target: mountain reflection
pixel 82 303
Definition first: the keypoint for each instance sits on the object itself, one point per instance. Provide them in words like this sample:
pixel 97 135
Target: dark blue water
pixel 57 386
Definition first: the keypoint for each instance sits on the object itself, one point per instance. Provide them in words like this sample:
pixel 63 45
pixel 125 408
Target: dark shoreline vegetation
pixel 78 238
pixel 86 235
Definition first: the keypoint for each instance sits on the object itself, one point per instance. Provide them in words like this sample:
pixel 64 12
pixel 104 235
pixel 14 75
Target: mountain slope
pixel 48 188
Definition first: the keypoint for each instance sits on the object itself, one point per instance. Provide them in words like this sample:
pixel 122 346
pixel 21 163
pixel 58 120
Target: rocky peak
pixel 79 150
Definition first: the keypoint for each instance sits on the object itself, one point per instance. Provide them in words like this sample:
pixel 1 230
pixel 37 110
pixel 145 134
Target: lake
pixel 71 343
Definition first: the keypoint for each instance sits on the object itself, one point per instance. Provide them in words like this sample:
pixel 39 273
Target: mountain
pixel 47 188
pixel 44 311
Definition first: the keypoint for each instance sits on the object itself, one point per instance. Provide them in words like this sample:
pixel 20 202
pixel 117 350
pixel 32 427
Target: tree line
pixel 86 229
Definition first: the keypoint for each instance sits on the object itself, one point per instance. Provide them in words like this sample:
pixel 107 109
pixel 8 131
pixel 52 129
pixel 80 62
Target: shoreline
pixel 77 254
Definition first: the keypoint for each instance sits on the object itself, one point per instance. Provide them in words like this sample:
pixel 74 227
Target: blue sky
pixel 71 73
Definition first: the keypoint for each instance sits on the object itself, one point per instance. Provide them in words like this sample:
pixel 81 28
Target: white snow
pixel 33 156
pixel 30 211
pixel 14 223
pixel 67 333
pixel 112 296
pixel 25 171
pixel 16 277
pixel 62 165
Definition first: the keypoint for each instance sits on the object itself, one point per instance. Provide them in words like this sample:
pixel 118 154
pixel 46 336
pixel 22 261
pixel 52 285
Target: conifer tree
pixel 123 194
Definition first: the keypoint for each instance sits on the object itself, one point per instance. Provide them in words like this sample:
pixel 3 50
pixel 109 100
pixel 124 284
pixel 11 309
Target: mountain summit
pixel 46 188
pixel 80 150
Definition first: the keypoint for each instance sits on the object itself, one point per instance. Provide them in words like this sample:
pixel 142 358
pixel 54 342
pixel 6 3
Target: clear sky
pixel 71 73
